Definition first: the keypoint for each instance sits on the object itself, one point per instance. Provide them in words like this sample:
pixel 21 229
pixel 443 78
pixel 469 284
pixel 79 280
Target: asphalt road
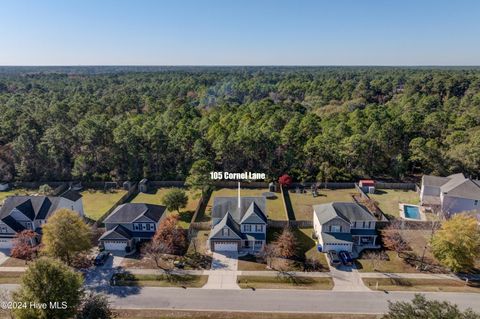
pixel 274 300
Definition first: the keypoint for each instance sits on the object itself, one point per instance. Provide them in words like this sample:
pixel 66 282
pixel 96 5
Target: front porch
pixel 251 246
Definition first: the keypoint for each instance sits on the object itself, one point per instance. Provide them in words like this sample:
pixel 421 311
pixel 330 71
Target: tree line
pixel 330 123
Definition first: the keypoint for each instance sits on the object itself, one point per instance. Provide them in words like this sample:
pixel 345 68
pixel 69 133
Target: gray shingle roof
pixel 349 212
pixel 434 181
pixel 456 185
pixel 228 221
pixel 222 205
pixel 127 213
pixel 119 232
pixel 71 195
pixel 336 238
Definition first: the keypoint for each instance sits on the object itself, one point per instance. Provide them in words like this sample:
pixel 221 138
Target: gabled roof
pixel 349 212
pixel 33 207
pixel 222 205
pixel 119 232
pixel 127 213
pixel 434 181
pixel 456 185
pixel 71 195
pixel 227 221
pixel 336 238
pixel 254 215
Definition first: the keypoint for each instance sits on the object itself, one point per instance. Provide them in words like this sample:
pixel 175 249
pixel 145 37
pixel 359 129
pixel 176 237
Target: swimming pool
pixel 412 212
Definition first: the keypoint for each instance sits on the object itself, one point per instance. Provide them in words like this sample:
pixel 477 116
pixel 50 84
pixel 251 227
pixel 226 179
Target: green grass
pixel 7 277
pixel 388 199
pixel 302 203
pixel 97 202
pixel 394 264
pixel 191 281
pixel 276 282
pixel 275 208
pixel 439 285
pixel 156 198
pixel 16 191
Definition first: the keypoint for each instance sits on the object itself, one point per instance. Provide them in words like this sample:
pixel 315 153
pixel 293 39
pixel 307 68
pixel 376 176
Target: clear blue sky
pixel 239 32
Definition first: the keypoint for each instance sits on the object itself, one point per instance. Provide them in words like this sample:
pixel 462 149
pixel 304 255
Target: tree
pixel 393 239
pixel 199 176
pixel 45 281
pixel 456 244
pixel 286 244
pixel 268 253
pixel 45 189
pixel 171 236
pixel 65 234
pixel 421 308
pixel 95 306
pixel 374 258
pixel 285 180
pixel 175 199
pixel 24 246
pixel 326 173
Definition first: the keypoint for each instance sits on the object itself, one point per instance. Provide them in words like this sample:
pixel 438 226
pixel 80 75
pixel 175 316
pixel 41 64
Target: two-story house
pixel 451 194
pixel 344 226
pixel 129 224
pixel 238 223
pixel 19 213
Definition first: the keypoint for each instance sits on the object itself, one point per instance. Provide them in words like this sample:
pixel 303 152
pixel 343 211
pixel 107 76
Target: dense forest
pixel 336 123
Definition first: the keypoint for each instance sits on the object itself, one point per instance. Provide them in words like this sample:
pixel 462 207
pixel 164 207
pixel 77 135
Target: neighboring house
pixel 19 213
pixel 452 194
pixel 131 223
pixel 238 223
pixel 344 226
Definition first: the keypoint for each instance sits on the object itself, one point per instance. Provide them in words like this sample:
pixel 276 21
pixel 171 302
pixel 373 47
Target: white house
pixel 452 194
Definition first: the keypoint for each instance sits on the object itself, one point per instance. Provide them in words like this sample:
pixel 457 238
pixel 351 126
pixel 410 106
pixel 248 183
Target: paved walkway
pixel 223 273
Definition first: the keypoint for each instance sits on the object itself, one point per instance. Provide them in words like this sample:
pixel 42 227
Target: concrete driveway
pixel 223 273
pixel 4 255
pixel 114 261
pixel 346 278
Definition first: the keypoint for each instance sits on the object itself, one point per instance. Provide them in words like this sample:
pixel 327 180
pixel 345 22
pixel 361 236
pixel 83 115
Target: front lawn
pixel 392 263
pixel 10 277
pixel 306 249
pixel 15 262
pixel 302 202
pixel 389 199
pixel 190 281
pixel 285 282
pixel 97 202
pixel 275 207
pixel 156 197
pixel 439 285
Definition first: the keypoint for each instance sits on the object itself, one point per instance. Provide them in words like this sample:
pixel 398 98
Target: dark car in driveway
pixel 101 258
pixel 334 259
pixel 346 258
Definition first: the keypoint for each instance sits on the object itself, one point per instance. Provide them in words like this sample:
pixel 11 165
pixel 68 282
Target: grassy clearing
pixel 440 285
pixel 190 281
pixel 179 314
pixel 17 192
pixel 275 208
pixel 8 277
pixel 97 202
pixel 393 264
pixel 302 203
pixel 388 199
pixel 14 262
pixel 307 248
pixel 276 282
pixel 156 197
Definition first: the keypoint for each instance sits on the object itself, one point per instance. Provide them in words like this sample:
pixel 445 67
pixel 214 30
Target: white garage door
pixel 115 245
pixel 6 243
pixel 226 246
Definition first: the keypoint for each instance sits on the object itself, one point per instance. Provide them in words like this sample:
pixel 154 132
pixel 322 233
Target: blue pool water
pixel 411 212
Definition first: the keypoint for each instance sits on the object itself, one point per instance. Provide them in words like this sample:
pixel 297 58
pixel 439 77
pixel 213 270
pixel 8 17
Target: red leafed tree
pixel 170 236
pixel 285 180
pixel 23 246
pixel 393 239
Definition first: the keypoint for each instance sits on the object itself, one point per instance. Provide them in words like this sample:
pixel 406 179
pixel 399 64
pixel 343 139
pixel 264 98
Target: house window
pixel 258 243
pixel 247 228
pixel 364 224
pixel 136 226
pixel 29 225
pixel 335 229
pixel 226 232
pixel 476 202
pixel 3 229
pixel 258 228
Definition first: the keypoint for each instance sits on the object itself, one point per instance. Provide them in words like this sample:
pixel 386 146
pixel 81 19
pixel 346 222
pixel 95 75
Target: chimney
pixel 239 199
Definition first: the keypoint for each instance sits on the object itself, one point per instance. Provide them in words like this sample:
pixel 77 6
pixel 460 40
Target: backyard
pixel 97 202
pixel 302 202
pixel 16 192
pixel 275 208
pixel 388 200
pixel 156 197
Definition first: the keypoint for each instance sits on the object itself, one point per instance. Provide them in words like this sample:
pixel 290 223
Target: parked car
pixel 334 259
pixel 346 258
pixel 101 258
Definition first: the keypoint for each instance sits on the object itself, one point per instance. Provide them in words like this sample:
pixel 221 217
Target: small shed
pixel 143 186
pixel 367 185
pixel 4 187
pixel 127 185
pixel 272 187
